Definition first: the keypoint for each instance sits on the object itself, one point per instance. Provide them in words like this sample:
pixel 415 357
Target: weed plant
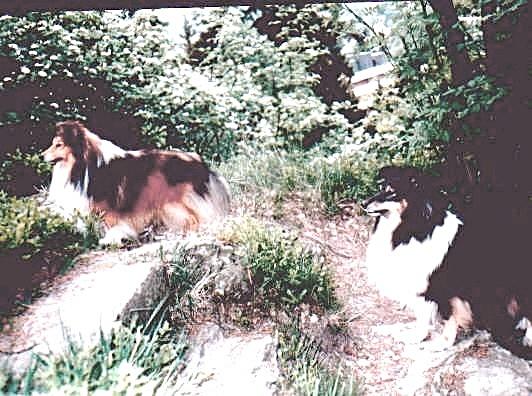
pixel 279 173
pixel 283 272
pixel 35 245
pixel 305 368
pixel 187 269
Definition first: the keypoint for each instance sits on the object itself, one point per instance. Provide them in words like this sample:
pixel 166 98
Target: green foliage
pixel 284 273
pixel 347 179
pixel 83 65
pixel 186 270
pixel 305 369
pixel 64 58
pixel 277 170
pixel 131 360
pixel 33 239
pixel 123 76
pixel 270 83
pixel 246 93
pixel 25 225
pixel 424 103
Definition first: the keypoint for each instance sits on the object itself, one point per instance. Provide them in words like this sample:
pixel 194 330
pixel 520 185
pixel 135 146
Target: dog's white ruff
pixel 402 273
pixel 68 199
pixel 64 197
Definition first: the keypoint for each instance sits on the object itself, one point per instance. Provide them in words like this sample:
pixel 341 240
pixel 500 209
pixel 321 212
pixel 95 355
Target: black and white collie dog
pixel 131 189
pixel 467 271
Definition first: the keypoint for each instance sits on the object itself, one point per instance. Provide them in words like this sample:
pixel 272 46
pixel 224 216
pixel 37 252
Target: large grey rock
pixel 474 367
pixel 234 364
pixel 104 287
pixel 484 369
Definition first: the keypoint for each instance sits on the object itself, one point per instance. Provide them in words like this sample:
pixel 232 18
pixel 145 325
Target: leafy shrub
pixel 128 361
pixel 284 273
pixel 124 78
pixel 34 245
pixel 20 173
pixel 192 266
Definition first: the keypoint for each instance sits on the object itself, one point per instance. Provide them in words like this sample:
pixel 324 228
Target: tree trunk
pixel 461 66
pixel 461 166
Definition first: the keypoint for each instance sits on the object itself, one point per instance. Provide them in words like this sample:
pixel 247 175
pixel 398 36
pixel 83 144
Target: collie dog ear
pixel 73 135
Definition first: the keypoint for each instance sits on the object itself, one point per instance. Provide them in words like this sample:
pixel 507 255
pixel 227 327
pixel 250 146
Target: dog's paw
pixel 117 234
pixel 414 335
pixel 526 325
pixel 438 344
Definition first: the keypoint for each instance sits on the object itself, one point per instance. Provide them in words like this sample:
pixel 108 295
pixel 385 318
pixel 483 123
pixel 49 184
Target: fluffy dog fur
pixel 470 272
pixel 131 189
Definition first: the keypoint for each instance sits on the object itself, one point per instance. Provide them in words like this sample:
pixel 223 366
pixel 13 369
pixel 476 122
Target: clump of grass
pixel 305 368
pixel 277 174
pixel 130 360
pixel 188 270
pixel 283 272
pixel 345 180
pixel 279 170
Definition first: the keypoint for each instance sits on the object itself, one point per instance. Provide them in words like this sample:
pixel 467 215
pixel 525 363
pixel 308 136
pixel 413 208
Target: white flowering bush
pixel 272 83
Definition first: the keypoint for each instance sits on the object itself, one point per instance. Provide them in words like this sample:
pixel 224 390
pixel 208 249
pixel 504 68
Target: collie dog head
pixel 399 188
pixel 413 201
pixel 69 144
pixel 75 150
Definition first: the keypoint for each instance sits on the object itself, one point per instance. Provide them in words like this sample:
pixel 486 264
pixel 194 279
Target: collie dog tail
pixel 214 204
pixel 218 194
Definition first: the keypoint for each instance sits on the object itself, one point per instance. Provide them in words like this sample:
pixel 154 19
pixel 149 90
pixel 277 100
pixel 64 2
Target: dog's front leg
pixel 461 317
pixel 425 313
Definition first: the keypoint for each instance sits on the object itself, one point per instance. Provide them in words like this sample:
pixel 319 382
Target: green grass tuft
pixel 130 360
pixel 277 174
pixel 284 273
pixel 305 367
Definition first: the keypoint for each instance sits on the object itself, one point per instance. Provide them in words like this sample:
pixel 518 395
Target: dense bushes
pixel 34 246
pixel 123 76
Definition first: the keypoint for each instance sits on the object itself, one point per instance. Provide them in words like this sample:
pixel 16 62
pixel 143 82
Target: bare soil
pixel 376 358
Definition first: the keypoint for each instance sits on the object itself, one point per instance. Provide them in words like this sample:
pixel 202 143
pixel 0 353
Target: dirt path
pixel 377 359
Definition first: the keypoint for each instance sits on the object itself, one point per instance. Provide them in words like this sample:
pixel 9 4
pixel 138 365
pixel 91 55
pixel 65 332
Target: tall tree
pixel 497 159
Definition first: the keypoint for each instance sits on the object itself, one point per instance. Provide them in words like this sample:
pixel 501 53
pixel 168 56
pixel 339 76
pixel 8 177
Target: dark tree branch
pixel 382 43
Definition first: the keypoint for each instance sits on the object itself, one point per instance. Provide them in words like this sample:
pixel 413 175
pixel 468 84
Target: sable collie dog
pixel 131 189
pixel 470 272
